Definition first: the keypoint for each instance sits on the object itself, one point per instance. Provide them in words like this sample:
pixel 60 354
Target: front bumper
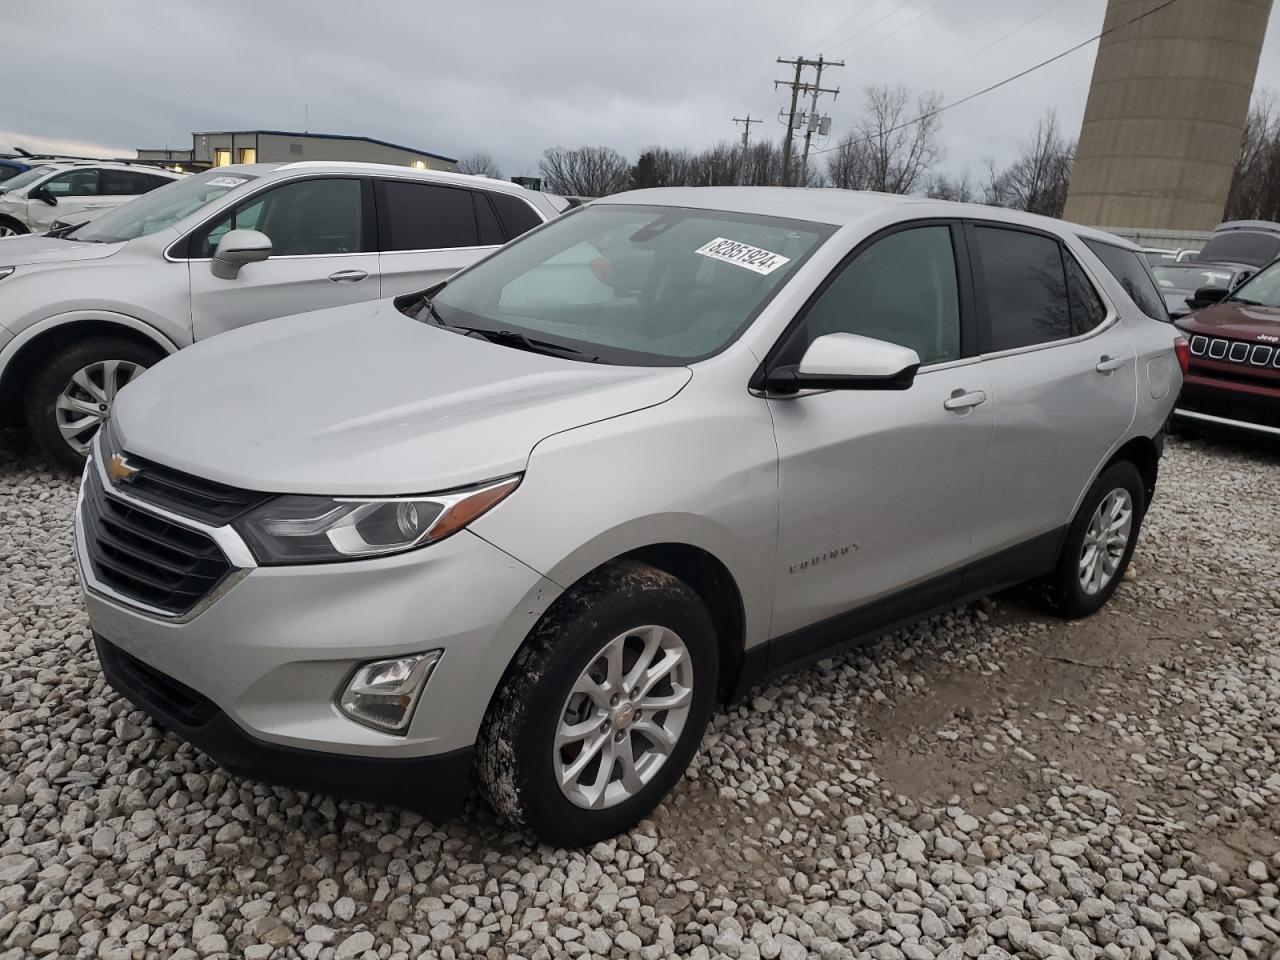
pixel 434 786
pixel 1251 407
pixel 271 649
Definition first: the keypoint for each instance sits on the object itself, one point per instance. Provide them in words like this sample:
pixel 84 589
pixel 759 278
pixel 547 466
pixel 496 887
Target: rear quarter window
pixel 1132 272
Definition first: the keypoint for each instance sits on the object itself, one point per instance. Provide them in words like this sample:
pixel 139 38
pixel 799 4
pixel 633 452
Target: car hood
pixel 1237 321
pixel 362 400
pixel 25 251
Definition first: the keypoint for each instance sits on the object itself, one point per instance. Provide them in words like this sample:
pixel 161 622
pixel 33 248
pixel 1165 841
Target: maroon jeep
pixel 1234 375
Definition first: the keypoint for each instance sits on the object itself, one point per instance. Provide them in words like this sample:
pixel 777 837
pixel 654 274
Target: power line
pixel 981 50
pixel 797 87
pixel 1007 80
pixel 899 29
pixel 858 13
pixel 878 20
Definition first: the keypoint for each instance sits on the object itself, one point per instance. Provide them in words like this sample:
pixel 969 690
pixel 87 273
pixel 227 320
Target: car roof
pixel 839 208
pixel 1259 226
pixel 375 170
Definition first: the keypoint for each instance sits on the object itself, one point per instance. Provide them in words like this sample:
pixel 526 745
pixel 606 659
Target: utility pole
pixel 815 120
pixel 746 121
pixel 799 63
pixel 798 87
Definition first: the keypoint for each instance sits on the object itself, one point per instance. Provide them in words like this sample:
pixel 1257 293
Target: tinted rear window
pixel 1026 288
pixel 1131 272
pixel 517 216
pixel 423 216
pixel 1242 246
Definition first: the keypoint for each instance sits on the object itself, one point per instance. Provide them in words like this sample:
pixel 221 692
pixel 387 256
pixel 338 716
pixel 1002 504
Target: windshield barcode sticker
pixel 742 255
pixel 227 181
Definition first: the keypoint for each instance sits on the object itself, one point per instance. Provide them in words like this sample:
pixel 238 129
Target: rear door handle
pixel 1107 364
pixel 348 276
pixel 960 400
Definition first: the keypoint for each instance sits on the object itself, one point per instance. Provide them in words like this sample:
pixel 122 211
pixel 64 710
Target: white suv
pixel 84 313
pixel 73 192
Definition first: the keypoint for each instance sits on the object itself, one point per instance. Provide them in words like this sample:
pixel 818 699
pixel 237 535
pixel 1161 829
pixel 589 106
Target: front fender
pixel 49 324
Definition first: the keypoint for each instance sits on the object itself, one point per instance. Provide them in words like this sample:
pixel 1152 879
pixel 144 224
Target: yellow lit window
pixel 222 157
pixel 419 164
pixel 248 154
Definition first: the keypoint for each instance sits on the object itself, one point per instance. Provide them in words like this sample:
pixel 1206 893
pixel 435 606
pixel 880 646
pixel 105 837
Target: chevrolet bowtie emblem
pixel 119 469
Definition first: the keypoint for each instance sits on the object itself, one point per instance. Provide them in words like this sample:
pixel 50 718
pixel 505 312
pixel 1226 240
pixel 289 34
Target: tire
pixel 54 376
pixel 10 227
pixel 518 764
pixel 1064 590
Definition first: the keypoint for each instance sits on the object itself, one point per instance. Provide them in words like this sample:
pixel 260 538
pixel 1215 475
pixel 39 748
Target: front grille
pixel 146 558
pixel 159 692
pixel 195 497
pixel 1235 351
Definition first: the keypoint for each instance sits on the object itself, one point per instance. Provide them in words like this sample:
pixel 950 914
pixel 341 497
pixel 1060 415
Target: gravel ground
pixel 990 783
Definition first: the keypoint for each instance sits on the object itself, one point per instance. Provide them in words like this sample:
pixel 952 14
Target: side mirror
pixel 846 361
pixel 42 193
pixel 237 248
pixel 1207 295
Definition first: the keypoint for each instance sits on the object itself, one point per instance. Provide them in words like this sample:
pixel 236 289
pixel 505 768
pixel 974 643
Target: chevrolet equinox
pixel 527 526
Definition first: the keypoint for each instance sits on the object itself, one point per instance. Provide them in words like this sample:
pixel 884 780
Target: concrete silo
pixel 1165 114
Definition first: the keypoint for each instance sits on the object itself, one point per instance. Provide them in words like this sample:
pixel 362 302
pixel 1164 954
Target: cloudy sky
pixel 512 77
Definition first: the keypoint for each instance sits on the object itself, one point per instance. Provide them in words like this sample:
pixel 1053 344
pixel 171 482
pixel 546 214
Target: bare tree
pixel 761 164
pixel 479 163
pixel 1255 185
pixel 1037 180
pixel 902 138
pixel 849 166
pixel 585 171
pixel 942 187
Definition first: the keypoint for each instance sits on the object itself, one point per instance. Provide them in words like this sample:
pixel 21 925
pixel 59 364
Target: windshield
pixel 1242 246
pixel 1262 289
pixel 632 284
pixel 162 207
pixel 1188 278
pixel 23 179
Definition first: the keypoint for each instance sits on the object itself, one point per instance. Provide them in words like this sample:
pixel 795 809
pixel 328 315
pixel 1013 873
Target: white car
pixel 72 192
pixel 82 314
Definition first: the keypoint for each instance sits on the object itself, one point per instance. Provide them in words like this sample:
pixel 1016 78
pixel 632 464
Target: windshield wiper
pixel 512 338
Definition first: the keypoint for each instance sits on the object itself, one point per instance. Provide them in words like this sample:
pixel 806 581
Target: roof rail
pixel 21 154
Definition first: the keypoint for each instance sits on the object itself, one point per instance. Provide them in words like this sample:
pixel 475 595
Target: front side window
pixel 1132 273
pixel 1262 290
pixel 425 216
pixel 73 183
pixel 26 178
pixel 901 289
pixel 160 208
pixel 302 218
pixel 1026 288
pixel 632 284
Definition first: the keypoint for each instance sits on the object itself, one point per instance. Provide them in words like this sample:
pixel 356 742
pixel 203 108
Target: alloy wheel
pixel 623 717
pixel 86 400
pixel 1105 540
pixel 8 231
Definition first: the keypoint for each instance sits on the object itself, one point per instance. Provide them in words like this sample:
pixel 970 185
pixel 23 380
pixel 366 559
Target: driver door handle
pixel 963 401
pixel 1107 364
pixel 348 276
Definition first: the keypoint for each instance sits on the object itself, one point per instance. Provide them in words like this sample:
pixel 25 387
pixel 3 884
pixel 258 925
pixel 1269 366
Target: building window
pixel 248 154
pixel 420 165
pixel 222 157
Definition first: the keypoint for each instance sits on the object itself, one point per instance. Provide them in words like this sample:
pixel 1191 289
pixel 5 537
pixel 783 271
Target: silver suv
pixel 72 192
pixel 83 314
pixel 533 522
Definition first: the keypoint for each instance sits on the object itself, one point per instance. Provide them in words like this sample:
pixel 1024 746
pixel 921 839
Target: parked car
pixel 1179 282
pixel 83 314
pixel 1234 376
pixel 536 529
pixel 1252 243
pixel 10 167
pixel 1161 255
pixel 66 189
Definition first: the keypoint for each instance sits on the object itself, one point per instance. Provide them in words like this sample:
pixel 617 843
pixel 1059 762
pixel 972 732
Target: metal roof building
pixel 220 148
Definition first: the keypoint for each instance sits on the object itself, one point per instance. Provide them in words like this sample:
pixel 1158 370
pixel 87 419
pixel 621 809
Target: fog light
pixel 382 694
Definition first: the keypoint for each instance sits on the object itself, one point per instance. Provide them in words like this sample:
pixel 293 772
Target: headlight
pixel 300 529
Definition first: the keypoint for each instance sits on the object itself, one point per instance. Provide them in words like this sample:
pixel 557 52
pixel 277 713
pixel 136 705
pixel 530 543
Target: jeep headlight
pixel 306 529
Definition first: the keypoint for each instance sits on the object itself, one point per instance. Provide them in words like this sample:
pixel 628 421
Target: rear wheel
pixel 603 708
pixel 71 395
pixel 1099 543
pixel 10 227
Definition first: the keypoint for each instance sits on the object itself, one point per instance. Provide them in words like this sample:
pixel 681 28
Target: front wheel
pixel 603 708
pixel 10 227
pixel 71 395
pixel 1099 543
